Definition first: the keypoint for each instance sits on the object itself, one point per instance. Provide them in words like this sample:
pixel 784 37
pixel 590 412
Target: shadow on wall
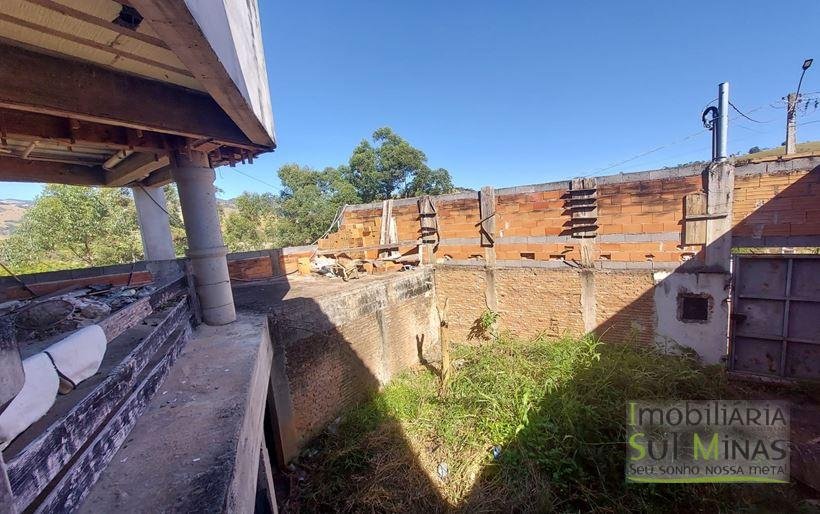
pixel 689 307
pixel 330 356
pixel 323 367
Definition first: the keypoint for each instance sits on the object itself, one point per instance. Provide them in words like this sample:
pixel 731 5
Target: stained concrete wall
pixel 640 305
pixel 332 352
pixel 708 338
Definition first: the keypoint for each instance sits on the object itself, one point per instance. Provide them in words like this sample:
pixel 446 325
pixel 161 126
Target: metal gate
pixel 776 316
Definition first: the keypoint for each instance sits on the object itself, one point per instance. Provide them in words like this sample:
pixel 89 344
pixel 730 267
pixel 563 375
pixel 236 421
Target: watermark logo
pixel 707 441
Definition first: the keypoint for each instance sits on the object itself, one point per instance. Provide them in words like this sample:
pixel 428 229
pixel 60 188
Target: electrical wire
pixel 676 142
pixel 275 188
pixel 745 116
pixel 153 200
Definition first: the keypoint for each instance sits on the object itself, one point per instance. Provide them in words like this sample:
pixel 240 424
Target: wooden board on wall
pixel 136 279
pixel 694 232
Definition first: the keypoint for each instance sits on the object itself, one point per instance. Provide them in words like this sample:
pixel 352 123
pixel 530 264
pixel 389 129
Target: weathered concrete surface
pixel 335 342
pixel 196 448
pixel 708 338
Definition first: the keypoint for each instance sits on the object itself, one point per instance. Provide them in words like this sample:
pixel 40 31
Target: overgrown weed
pixel 528 426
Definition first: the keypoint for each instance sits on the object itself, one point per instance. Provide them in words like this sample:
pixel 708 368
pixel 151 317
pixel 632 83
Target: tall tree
pixel 309 201
pixel 252 226
pixel 69 226
pixel 390 166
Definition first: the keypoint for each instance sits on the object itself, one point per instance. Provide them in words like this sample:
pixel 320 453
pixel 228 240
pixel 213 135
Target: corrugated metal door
pixel 776 316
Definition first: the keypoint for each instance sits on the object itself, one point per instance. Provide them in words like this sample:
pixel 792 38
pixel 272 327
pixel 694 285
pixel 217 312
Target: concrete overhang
pixel 83 81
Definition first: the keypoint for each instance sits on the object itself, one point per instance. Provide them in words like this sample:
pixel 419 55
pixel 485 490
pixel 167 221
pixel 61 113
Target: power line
pixel 676 142
pixel 745 116
pixel 275 188
pixel 153 200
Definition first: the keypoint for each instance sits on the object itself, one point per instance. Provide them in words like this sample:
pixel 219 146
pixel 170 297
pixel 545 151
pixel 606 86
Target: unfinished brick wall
pixel 640 216
pixel 336 350
pixel 262 264
pixel 625 307
pixel 534 301
pixel 464 291
pixel 778 204
pixel 331 371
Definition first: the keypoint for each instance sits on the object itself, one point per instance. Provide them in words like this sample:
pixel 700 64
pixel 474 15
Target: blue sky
pixel 506 93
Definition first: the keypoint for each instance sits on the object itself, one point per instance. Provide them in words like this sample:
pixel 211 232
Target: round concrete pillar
pixel 155 228
pixel 206 249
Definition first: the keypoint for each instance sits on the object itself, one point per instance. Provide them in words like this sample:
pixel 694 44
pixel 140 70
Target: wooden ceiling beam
pixel 116 52
pixel 106 24
pixel 37 82
pixel 158 178
pixel 13 169
pixel 174 24
pixel 134 168
pixel 31 126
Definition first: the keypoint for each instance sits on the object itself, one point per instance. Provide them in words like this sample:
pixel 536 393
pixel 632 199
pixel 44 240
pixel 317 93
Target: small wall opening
pixel 693 308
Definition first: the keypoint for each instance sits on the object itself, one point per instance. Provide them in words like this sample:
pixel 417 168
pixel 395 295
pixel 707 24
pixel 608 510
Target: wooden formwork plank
pixel 43 459
pixel 73 487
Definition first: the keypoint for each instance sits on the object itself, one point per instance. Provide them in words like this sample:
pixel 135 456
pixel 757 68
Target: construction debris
pixel 43 317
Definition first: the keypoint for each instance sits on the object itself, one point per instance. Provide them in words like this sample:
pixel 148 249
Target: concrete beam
pixel 14 169
pixel 61 87
pixel 135 167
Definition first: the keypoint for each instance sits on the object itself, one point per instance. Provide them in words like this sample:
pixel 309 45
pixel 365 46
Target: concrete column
pixel 791 125
pixel 206 249
pixel 719 197
pixel 155 228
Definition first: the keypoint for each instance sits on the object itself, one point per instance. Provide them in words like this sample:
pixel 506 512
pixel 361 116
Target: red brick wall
pixel 624 305
pixel 463 290
pixel 777 204
pixel 331 371
pixel 335 369
pixel 533 301
pixel 772 203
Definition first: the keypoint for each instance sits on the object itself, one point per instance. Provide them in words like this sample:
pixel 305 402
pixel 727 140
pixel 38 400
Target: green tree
pixel 390 166
pixel 174 209
pixel 252 226
pixel 309 201
pixel 69 226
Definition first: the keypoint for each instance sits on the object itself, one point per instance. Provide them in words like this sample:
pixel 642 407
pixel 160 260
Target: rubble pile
pixel 43 317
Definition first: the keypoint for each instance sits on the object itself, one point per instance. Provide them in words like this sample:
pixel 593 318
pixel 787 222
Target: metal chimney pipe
pixel 723 121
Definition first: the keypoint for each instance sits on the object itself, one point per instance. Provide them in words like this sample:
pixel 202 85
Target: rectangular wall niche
pixel 694 308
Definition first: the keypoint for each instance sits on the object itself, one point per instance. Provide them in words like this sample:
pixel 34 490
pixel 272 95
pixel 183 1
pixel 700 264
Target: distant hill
pixel 811 146
pixel 11 212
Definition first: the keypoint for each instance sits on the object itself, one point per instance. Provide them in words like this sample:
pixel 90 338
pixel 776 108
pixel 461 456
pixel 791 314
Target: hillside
pixel 11 212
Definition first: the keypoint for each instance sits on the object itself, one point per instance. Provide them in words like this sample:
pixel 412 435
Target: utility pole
pixel 791 126
pixel 723 122
pixel 791 113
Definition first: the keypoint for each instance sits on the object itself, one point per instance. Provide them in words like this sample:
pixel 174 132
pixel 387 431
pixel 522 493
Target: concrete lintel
pixel 774 241
pixel 758 168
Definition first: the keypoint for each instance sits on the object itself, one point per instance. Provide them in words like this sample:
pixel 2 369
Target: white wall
pixel 709 339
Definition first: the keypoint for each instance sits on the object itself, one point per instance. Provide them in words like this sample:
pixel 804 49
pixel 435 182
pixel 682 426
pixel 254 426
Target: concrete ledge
pixel 563 265
pixel 774 241
pixel 196 448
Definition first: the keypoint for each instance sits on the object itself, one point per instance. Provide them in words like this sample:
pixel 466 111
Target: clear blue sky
pixel 506 93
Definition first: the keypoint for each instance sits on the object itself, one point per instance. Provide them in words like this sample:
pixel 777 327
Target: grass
pixel 528 426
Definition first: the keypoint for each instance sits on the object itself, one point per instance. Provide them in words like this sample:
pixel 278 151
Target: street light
pixel 806 65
